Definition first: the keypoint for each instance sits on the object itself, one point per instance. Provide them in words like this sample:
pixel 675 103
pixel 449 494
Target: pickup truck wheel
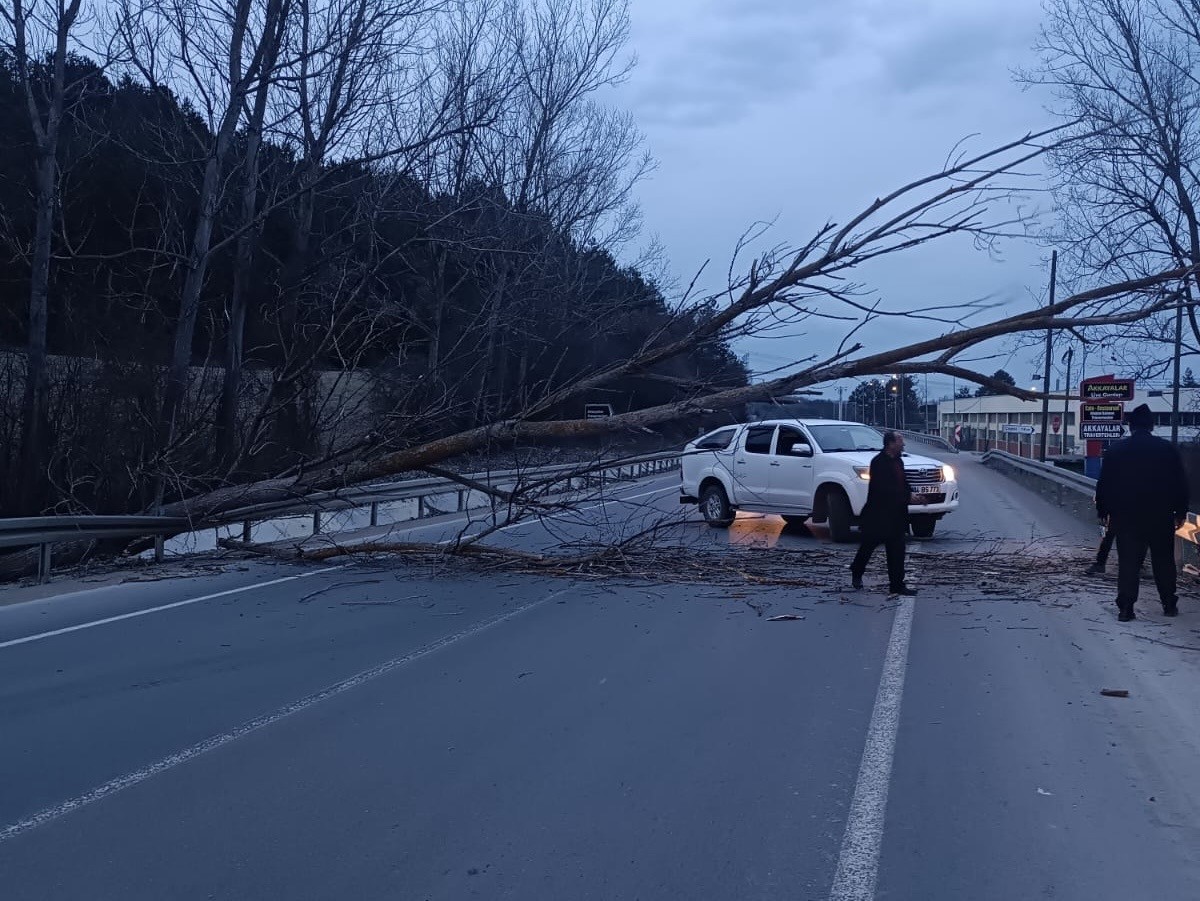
pixel 839 516
pixel 795 520
pixel 923 526
pixel 714 505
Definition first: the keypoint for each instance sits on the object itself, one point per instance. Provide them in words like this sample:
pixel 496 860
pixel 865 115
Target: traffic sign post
pixel 1106 387
pixel 1102 411
pixel 1101 414
pixel 1100 431
pixel 1012 428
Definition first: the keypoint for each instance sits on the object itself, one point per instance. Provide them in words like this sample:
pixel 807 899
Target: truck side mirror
pixel 801 450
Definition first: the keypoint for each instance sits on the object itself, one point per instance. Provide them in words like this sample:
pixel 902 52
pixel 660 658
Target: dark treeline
pixel 346 302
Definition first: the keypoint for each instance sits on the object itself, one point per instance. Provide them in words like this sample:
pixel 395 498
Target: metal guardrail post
pixel 159 548
pixel 316 522
pixel 374 513
pixel 462 500
pixel 44 557
pixel 421 507
pixel 247 528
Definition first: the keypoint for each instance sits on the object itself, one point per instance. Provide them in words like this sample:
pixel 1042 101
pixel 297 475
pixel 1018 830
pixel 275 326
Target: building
pixel 1006 423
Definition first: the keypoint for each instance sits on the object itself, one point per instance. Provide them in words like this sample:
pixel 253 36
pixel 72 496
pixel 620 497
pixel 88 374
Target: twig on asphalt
pixel 327 588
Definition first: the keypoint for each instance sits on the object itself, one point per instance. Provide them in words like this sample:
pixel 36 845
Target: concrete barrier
pixel 1077 493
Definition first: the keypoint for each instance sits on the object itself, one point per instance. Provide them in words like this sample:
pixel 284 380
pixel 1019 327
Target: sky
pixel 796 112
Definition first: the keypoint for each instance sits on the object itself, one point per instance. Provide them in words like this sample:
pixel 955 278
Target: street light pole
pixel 1046 378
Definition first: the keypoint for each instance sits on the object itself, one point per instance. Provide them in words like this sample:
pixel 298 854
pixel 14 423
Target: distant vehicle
pixel 804 469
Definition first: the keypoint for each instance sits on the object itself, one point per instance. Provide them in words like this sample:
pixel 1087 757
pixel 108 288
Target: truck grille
pixel 926 475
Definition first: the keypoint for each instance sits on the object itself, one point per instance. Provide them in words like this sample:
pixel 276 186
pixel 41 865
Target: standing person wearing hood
pixel 1143 489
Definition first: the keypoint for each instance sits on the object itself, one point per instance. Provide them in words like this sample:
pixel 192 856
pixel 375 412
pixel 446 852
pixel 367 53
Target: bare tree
pixel 1124 74
pixel 216 55
pixel 345 99
pixel 255 116
pixel 36 36
pixel 561 159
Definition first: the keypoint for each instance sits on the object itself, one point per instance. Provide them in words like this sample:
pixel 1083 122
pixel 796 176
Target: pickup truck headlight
pixel 947 473
pixel 864 472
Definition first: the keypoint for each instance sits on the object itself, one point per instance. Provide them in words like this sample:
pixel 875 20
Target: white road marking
pixel 858 863
pixel 211 744
pixel 161 607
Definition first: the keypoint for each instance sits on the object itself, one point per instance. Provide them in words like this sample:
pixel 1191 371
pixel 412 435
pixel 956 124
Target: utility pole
pixel 1067 403
pixel 841 411
pixel 1046 377
pixel 1187 287
pixel 926 417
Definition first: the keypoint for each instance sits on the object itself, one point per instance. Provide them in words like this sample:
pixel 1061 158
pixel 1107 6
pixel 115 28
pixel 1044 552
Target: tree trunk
pixel 487 372
pixel 227 419
pixel 37 381
pixel 433 357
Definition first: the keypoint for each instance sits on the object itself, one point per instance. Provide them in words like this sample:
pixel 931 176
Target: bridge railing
pixel 44 532
pixel 936 440
pixel 1080 493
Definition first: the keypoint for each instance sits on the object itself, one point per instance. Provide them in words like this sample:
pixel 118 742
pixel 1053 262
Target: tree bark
pixel 36 395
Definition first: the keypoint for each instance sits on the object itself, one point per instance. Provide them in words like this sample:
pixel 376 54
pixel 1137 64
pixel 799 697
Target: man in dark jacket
pixel 884 518
pixel 1143 489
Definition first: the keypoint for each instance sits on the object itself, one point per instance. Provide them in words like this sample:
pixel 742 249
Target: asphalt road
pixel 378 731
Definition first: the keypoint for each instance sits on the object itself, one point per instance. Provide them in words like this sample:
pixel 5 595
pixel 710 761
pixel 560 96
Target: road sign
pixel 1014 429
pixel 597 411
pixel 1106 388
pixel 1056 424
pixel 1100 431
pixel 1102 411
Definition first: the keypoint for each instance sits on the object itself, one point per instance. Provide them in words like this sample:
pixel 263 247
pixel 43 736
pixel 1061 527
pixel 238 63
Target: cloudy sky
pixel 800 111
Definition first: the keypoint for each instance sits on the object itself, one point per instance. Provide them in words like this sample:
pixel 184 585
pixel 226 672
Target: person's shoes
pixel 903 591
pixel 856 582
pixel 1125 613
pixel 1096 569
pixel 1171 608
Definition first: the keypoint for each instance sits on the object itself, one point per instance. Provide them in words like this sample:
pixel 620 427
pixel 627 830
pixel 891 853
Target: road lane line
pixel 217 741
pixel 184 603
pixel 858 863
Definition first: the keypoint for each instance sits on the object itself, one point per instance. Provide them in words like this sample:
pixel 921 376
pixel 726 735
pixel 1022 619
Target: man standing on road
pixel 884 518
pixel 1144 492
pixel 1106 542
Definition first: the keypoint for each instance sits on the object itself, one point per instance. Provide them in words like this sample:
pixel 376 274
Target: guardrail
pixel 1187 537
pixel 1048 471
pixel 43 532
pixel 936 440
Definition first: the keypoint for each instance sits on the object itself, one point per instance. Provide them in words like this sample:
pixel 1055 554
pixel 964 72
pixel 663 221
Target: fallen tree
pixel 779 290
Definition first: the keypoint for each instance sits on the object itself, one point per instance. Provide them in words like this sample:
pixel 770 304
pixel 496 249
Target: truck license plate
pixel 928 489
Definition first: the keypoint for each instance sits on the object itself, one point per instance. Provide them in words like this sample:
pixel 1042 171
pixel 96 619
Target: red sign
pixel 1106 387
pixel 1056 424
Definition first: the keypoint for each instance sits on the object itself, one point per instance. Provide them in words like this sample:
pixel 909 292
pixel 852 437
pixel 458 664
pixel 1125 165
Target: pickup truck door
pixel 752 465
pixel 790 484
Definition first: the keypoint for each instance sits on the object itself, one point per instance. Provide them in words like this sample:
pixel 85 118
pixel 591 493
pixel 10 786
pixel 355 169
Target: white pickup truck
pixel 804 469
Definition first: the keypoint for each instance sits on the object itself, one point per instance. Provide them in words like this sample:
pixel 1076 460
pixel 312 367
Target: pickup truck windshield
pixel 834 438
